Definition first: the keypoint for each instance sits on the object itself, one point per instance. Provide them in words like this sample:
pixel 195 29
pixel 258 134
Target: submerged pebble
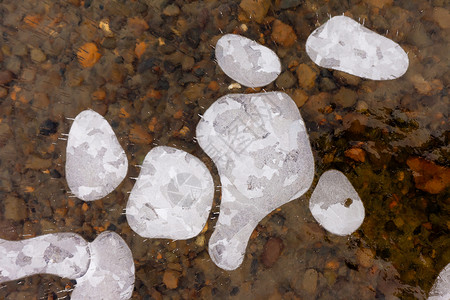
pixel 345 45
pixel 246 61
pixel 95 162
pixel 336 205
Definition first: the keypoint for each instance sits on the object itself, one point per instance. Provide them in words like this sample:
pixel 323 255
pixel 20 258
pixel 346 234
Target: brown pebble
pixel 28 75
pixel 346 79
pixel 300 97
pixel 365 257
pixel 6 77
pixel 3 92
pixel 310 281
pixel 139 135
pixel 421 85
pixel 356 154
pixel 171 10
pixel 442 17
pixel 379 3
pixel 283 34
pixel 37 55
pixel 37 163
pixel 213 86
pixel 306 76
pixel 428 176
pixel 346 97
pixel 170 279
pixel 272 251
pixel 15 208
pixel 255 9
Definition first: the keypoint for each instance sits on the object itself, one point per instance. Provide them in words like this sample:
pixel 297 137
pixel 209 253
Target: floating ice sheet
pixel 441 287
pixel 345 45
pixel 172 196
pixel 62 254
pixel 246 61
pixel 95 162
pixel 262 152
pixel 336 205
pixel 111 271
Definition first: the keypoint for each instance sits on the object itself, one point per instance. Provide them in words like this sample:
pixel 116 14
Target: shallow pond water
pixel 149 68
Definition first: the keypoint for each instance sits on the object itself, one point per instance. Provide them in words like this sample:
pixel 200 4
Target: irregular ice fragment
pixel 262 152
pixel 441 287
pixel 172 196
pixel 111 272
pixel 345 45
pixel 246 61
pixel 95 162
pixel 62 254
pixel 336 205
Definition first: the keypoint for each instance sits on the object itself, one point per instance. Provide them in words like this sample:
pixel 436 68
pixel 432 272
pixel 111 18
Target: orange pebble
pixel 88 55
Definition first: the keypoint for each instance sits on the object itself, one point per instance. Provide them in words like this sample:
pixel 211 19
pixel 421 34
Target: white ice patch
pixel 172 196
pixel 111 272
pixel 336 205
pixel 345 45
pixel 441 287
pixel 95 162
pixel 262 152
pixel 61 254
pixel 246 61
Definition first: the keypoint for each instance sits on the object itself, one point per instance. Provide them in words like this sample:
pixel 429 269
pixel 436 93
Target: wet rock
pixel 194 91
pixel 285 80
pixel 356 154
pixel 326 84
pixel 283 34
pixel 139 135
pixel 284 4
pixel 37 163
pixel 428 176
pixel 171 10
pixel 346 79
pixel 421 85
pixel 255 9
pixel 37 55
pixel 171 278
pixel 6 77
pixel 272 251
pixel 88 55
pixel 306 76
pixel 28 75
pixel 379 3
pixel 15 208
pixel 346 97
pixel 3 92
pixel 309 282
pixel 13 63
pixel 365 257
pixel 442 17
pixel 300 97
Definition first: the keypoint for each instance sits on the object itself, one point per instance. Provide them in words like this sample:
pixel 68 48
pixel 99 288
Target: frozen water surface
pixel 95 162
pixel 262 152
pixel 441 287
pixel 345 45
pixel 62 254
pixel 246 61
pixel 336 205
pixel 172 196
pixel 111 271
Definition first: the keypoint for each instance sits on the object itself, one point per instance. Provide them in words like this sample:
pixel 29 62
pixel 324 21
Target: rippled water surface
pixel 149 68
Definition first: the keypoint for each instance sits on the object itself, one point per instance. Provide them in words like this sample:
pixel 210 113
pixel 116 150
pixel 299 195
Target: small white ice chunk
pixel 441 287
pixel 62 254
pixel 111 272
pixel 345 45
pixel 262 152
pixel 172 196
pixel 95 162
pixel 246 61
pixel 336 205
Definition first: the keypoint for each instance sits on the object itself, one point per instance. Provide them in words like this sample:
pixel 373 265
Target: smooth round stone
pixel 262 152
pixel 61 254
pixel 246 61
pixel 95 162
pixel 345 45
pixel 441 287
pixel 111 272
pixel 336 205
pixel 172 196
